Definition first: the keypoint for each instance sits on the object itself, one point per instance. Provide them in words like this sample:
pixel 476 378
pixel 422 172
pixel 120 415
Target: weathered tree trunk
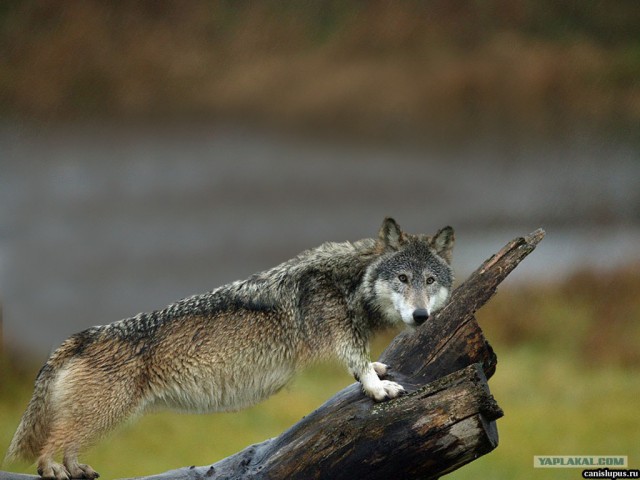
pixel 446 420
pixel 431 431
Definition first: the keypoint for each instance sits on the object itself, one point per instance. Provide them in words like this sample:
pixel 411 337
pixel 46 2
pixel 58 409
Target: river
pixel 99 222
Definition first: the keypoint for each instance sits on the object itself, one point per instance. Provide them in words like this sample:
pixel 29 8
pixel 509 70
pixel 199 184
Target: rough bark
pixel 446 420
pixel 424 434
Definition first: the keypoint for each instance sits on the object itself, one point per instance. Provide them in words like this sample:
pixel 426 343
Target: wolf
pixel 236 345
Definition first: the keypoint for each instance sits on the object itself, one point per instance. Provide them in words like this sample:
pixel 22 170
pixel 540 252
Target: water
pixel 100 222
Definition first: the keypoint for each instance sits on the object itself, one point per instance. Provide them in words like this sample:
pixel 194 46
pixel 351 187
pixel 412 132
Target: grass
pixel 563 393
pixel 555 406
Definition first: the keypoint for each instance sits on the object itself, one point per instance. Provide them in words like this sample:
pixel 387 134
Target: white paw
pixel 385 390
pixel 381 369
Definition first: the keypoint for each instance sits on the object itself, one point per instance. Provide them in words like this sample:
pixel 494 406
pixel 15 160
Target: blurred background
pixel 151 150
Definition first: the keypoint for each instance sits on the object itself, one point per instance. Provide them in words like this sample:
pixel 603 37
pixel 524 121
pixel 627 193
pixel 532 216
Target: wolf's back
pixel 35 424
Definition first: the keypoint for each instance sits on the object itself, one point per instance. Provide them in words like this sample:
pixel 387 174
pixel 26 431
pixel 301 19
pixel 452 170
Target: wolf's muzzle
pixel 420 315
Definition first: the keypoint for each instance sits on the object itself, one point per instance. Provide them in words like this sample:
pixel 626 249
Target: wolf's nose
pixel 420 315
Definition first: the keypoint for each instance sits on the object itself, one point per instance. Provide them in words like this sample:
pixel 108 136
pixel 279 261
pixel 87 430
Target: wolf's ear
pixel 442 242
pixel 390 234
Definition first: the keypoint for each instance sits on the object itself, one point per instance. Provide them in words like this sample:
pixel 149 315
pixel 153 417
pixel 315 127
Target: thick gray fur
pixel 236 345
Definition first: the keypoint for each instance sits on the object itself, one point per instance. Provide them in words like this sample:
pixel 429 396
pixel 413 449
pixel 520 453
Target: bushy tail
pixel 34 427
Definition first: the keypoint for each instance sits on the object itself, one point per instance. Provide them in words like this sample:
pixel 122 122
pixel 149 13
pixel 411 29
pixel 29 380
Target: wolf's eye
pixel 403 278
pixel 430 280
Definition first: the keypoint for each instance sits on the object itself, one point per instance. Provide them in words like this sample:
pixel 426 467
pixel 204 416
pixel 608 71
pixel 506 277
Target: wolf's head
pixel 412 277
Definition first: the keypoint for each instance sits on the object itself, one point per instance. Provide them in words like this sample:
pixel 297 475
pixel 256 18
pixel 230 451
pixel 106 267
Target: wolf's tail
pixel 35 425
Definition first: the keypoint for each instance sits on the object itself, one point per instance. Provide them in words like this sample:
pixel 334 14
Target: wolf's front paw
pixel 393 389
pixel 385 391
pixel 381 369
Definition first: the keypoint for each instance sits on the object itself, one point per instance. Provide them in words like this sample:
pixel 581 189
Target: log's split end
pixel 523 246
pixel 534 237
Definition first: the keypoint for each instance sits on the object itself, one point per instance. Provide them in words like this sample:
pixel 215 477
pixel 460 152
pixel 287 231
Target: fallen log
pixel 436 427
pixel 446 420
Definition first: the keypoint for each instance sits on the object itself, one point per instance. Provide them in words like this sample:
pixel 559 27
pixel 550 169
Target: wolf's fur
pixel 236 345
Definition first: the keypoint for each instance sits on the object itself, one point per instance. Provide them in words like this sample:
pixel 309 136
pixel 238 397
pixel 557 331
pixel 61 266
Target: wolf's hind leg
pixel 86 423
pixel 67 435
pixel 88 403
pixel 50 470
pixel 78 470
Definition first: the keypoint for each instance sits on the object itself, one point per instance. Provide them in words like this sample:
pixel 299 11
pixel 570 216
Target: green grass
pixel 563 393
pixel 554 406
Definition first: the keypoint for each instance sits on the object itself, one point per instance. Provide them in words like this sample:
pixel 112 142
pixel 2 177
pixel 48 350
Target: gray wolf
pixel 236 345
